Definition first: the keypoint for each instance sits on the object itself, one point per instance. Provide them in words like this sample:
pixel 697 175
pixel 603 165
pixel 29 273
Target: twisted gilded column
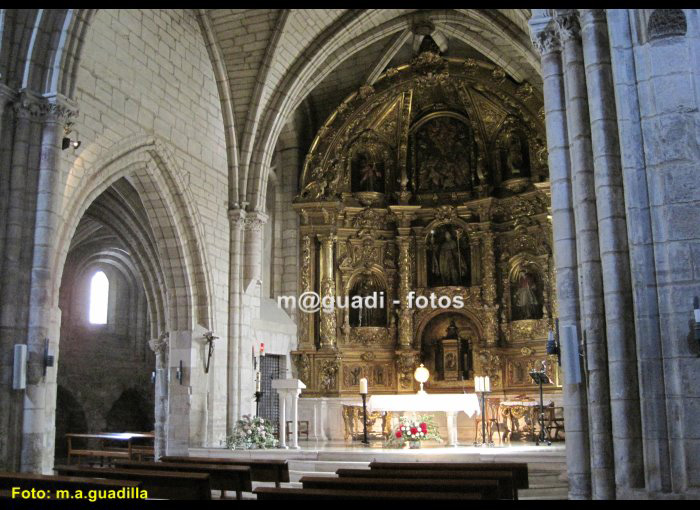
pixel 405 286
pixel 328 321
pixel 614 254
pixel 546 40
pixel 489 287
pixel 306 333
pixel 588 250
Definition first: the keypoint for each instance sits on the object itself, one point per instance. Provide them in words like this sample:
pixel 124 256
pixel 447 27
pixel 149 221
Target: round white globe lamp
pixel 421 375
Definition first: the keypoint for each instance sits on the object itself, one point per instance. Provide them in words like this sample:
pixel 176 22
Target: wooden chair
pixel 303 428
pixel 554 419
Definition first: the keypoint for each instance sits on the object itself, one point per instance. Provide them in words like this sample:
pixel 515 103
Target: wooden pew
pixel 221 476
pixel 519 469
pixel 488 489
pixel 53 482
pixel 159 484
pixel 275 493
pixel 506 488
pixel 261 470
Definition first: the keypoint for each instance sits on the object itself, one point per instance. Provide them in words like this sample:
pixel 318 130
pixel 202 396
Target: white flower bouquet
pixel 252 432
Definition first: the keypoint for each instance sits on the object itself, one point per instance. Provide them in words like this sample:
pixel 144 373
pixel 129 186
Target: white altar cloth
pixel 446 402
pixel 450 403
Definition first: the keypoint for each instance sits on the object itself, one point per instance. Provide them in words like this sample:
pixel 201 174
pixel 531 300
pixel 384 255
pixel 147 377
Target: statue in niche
pixel 448 326
pixel 442 151
pixel 513 151
pixel 372 310
pixel 526 296
pixel 367 169
pixel 448 258
pixel 379 376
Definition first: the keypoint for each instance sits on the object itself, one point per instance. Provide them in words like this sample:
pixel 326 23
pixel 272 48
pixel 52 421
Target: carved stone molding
pixel 160 345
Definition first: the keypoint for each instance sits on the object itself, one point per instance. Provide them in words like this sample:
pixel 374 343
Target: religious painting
pixel 442 155
pixel 367 302
pixel 448 257
pixel 451 328
pixel 513 153
pixel 526 295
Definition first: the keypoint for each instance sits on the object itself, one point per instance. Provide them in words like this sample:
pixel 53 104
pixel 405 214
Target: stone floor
pixel 547 464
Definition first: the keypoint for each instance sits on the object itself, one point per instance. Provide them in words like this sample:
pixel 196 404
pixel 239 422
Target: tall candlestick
pixel 363 386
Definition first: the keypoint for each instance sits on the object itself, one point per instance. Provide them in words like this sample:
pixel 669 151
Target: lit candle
pixel 487 384
pixel 363 386
pixel 262 349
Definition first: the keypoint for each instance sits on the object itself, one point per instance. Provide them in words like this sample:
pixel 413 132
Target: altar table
pixel 449 403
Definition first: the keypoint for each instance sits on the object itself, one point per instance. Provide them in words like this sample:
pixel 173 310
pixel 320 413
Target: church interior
pixel 295 253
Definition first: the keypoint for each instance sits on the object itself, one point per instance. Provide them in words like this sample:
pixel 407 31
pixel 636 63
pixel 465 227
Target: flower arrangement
pixel 252 432
pixel 411 431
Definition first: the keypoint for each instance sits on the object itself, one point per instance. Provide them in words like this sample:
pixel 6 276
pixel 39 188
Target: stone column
pixel 160 347
pixel 614 254
pixel 236 218
pixel 254 222
pixel 645 303
pixel 546 40
pixel 36 453
pixel 588 250
pixel 327 278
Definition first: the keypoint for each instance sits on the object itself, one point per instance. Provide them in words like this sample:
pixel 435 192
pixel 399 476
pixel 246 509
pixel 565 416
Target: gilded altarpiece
pixel 434 182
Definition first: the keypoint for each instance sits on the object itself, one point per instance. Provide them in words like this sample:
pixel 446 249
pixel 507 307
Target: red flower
pixel 398 434
pixel 424 427
pixel 414 430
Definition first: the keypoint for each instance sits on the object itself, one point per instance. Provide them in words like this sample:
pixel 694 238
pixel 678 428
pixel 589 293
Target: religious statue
pixel 449 263
pixel 355 376
pixel 370 313
pixel 526 304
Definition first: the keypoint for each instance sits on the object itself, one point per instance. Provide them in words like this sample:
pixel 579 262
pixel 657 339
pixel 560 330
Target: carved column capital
pixel 236 217
pixel 568 22
pixel 160 345
pixel 255 220
pixel 546 41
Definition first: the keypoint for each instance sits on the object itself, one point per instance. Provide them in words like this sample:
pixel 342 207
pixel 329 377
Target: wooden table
pixel 102 453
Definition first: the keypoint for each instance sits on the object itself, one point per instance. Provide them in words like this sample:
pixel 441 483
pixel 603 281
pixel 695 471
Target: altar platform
pixel 547 464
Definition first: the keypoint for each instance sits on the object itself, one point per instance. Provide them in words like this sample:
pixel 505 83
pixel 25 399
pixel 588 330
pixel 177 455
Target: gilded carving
pixel 328 374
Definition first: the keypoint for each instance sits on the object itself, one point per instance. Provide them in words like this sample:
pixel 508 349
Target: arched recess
pixel 150 168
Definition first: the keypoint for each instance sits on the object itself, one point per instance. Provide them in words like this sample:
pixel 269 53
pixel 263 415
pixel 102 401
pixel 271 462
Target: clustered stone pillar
pixel 327 279
pixel 160 347
pixel 610 203
pixel 564 234
pixel 594 285
pixel 646 309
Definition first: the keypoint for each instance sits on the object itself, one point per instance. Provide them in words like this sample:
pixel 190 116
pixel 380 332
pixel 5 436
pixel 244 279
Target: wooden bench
pixel 268 470
pixel 488 489
pixel 275 493
pixel 159 484
pixel 519 469
pixel 221 476
pixel 506 489
pixel 54 482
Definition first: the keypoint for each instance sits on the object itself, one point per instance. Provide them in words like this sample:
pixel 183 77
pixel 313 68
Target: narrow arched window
pixel 99 297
